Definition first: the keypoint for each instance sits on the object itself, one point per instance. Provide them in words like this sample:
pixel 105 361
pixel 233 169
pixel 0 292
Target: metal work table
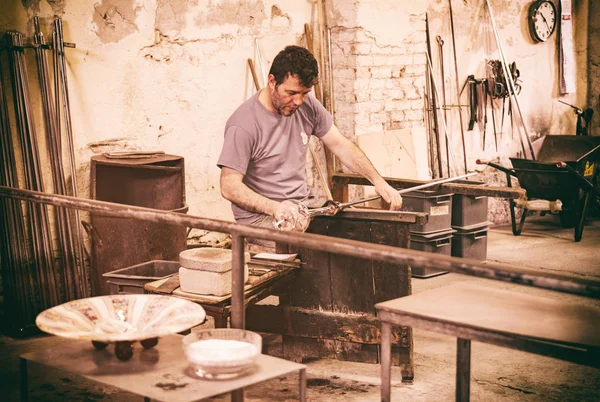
pixel 540 325
pixel 161 373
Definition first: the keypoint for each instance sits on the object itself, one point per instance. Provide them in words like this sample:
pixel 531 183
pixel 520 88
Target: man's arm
pixel 234 190
pixel 356 160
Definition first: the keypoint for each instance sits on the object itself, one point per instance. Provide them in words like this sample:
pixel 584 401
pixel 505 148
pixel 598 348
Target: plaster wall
pixel 593 46
pixel 166 74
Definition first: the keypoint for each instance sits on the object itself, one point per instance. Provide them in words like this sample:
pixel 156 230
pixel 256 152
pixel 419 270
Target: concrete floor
pixel 498 374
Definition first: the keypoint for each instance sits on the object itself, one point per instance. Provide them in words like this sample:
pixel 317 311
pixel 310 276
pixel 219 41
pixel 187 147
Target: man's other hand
pixel 389 195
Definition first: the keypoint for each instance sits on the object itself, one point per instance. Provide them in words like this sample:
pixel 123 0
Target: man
pixel 266 139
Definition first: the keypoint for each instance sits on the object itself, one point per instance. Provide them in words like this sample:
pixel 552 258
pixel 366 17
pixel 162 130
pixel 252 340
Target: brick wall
pixel 378 87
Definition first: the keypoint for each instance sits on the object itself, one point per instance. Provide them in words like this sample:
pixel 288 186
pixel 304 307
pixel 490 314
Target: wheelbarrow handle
pixel 496 166
pixel 585 183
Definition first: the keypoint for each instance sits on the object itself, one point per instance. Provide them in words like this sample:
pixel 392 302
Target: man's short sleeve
pixel 322 118
pixel 237 149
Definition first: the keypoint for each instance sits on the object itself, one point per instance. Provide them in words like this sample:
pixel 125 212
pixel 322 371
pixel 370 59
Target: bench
pixel 549 327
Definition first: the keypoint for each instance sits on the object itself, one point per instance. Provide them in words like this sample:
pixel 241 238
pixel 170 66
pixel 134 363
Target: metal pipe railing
pixel 389 254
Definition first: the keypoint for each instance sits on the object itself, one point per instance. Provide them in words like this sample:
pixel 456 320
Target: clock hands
pixel 545 22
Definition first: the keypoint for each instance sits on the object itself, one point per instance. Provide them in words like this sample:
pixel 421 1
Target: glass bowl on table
pixel 222 353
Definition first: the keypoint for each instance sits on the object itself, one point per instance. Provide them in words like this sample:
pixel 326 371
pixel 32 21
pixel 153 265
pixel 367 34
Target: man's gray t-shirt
pixel 270 149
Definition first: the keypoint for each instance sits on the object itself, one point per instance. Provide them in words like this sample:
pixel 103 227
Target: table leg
pixel 24 383
pixel 463 369
pixel 237 395
pixel 386 361
pixel 302 385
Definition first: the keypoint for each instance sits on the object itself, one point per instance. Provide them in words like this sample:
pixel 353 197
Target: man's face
pixel 288 96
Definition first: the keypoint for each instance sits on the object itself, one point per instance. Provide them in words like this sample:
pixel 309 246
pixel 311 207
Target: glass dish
pixel 119 318
pixel 222 353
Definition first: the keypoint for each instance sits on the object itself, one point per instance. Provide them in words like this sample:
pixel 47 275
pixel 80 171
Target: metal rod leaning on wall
pixel 38 215
pixel 23 281
pixel 64 238
pixel 460 117
pixel 512 92
pixel 369 251
pixel 434 106
pixel 443 120
pixel 77 227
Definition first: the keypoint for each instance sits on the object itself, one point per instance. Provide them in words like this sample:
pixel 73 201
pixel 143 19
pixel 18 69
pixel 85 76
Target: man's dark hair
pixel 295 60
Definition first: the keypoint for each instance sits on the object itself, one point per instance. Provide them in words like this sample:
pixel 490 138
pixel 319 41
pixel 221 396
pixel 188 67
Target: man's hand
pixel 389 195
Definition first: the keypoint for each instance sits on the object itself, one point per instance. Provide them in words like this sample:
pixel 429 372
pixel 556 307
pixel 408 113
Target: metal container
pixel 154 182
pixel 131 280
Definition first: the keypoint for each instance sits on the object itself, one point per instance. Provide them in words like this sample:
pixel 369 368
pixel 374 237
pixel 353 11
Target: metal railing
pixel 368 251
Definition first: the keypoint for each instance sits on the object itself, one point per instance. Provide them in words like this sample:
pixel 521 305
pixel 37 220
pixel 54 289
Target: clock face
pixel 542 20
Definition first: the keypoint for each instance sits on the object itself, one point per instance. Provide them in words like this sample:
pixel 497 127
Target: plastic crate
pixel 131 280
pixel 436 243
pixel 437 204
pixel 471 242
pixel 469 210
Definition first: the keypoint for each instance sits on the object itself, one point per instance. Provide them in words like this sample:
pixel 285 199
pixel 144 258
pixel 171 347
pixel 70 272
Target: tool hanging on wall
pixel 440 42
pixel 478 100
pixel 462 130
pixel 491 101
pixel 434 106
pixel 436 94
pixel 511 84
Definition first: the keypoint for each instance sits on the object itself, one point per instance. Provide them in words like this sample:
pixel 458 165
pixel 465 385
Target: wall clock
pixel 542 20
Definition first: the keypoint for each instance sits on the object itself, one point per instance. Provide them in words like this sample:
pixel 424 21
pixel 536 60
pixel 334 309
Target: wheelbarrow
pixel 566 169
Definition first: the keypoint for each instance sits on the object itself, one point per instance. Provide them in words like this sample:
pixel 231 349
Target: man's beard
pixel 282 109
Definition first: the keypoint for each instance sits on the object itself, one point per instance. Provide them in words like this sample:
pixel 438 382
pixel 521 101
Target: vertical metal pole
pixel 302 385
pixel 238 313
pixel 238 319
pixel 463 369
pixel 386 361
pixel 24 383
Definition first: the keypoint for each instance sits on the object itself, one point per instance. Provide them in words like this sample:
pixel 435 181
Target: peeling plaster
pixel 32 5
pixel 166 49
pixel 58 7
pixel 279 20
pixel 108 144
pixel 246 13
pixel 115 20
pixel 170 14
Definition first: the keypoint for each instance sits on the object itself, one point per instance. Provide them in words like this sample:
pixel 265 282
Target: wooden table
pixel 540 325
pixel 329 311
pixel 219 307
pixel 161 373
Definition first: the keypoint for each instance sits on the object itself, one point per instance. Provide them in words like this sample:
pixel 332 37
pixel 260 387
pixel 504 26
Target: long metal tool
pixel 462 129
pixel 440 42
pixel 442 119
pixel 436 126
pixel 512 92
pixel 333 208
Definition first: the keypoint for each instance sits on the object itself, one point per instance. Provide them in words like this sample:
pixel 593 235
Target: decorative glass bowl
pixel 222 353
pixel 122 319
